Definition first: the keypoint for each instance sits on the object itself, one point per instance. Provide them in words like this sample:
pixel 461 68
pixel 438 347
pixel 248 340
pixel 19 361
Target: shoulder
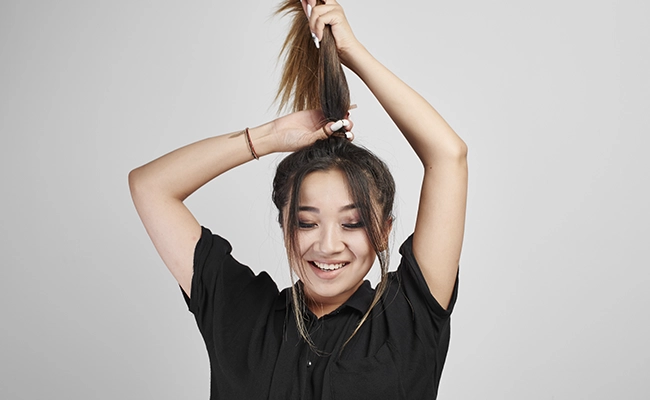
pixel 210 243
pixel 409 282
pixel 220 278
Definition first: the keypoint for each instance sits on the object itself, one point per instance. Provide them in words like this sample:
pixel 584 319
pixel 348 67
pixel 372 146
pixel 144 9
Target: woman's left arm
pixel 439 228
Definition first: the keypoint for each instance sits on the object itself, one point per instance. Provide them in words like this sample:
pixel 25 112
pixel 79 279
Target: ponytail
pixel 312 78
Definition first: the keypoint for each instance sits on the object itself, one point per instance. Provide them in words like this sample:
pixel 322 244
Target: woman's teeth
pixel 329 267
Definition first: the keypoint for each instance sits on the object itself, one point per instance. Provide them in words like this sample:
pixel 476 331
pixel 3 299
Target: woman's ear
pixel 389 225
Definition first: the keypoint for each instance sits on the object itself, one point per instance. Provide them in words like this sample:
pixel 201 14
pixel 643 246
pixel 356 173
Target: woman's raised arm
pixel 438 236
pixel 159 188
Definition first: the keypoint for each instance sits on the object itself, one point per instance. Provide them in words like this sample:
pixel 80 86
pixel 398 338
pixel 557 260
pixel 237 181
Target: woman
pixel 330 336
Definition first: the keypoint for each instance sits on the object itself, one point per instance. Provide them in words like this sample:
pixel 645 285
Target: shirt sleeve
pixel 419 327
pixel 431 316
pixel 225 292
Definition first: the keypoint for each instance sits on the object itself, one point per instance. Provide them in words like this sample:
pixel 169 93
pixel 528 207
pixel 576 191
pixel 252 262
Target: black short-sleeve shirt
pixel 256 352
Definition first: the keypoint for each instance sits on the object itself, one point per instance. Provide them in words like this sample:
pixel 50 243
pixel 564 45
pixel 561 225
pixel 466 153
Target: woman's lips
pixel 327 267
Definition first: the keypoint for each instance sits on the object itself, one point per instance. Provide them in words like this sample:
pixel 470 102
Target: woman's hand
pixel 300 129
pixel 331 13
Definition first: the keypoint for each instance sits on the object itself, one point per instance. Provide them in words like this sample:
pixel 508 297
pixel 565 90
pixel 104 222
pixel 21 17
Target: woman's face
pixel 335 251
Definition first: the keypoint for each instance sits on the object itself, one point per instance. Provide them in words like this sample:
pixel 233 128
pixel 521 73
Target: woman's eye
pixel 305 225
pixel 354 225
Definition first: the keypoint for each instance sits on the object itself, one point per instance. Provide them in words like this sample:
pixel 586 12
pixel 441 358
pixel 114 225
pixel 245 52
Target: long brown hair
pixel 314 79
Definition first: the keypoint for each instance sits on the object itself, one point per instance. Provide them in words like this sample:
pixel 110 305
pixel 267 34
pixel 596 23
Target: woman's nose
pixel 330 241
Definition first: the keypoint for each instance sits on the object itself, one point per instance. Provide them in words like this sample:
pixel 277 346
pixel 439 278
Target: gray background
pixel 552 98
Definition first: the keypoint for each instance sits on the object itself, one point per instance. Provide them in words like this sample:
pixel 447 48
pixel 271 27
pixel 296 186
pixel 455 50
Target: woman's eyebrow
pixel 317 211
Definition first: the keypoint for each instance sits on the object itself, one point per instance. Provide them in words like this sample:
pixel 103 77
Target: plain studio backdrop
pixel 551 97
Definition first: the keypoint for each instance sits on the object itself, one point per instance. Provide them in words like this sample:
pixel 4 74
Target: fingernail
pixel 336 126
pixel 315 38
pixel 308 10
pixel 348 135
pixel 345 122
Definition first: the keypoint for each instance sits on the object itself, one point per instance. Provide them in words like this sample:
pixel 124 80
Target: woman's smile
pixel 328 266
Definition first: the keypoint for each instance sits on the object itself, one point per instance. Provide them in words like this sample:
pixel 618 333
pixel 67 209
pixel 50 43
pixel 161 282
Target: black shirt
pixel 256 352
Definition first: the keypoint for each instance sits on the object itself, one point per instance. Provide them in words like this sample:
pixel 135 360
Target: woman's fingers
pixel 342 123
pixel 307 7
pixel 332 14
pixel 304 7
pixel 335 128
pixel 324 14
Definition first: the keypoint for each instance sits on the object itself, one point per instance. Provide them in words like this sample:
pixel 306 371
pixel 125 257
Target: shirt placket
pixel 309 357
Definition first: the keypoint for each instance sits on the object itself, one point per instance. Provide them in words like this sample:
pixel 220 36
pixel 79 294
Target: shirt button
pixel 308 364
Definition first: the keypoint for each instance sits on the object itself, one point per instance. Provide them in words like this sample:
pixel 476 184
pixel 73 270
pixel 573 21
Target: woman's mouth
pixel 328 267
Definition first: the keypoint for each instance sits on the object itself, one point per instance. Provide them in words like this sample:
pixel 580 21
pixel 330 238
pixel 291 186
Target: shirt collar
pixel 360 300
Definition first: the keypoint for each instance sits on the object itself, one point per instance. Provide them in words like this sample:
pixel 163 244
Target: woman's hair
pixel 314 78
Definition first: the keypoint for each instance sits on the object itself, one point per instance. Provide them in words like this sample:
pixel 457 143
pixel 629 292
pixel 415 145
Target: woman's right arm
pixel 159 188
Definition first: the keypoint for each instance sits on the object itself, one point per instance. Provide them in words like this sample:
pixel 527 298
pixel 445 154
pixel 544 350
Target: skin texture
pixel 159 188
pixel 330 234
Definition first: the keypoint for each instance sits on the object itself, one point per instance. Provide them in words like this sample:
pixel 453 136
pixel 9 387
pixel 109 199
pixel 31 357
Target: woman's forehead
pixel 326 189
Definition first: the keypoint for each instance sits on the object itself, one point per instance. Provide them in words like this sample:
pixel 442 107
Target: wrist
pixel 262 139
pixel 354 56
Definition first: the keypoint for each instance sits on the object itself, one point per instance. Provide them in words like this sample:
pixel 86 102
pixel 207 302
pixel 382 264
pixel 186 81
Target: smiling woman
pixel 330 335
pixel 363 181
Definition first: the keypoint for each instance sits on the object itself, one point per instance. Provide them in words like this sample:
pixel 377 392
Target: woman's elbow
pixel 460 149
pixel 136 182
pixel 453 152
